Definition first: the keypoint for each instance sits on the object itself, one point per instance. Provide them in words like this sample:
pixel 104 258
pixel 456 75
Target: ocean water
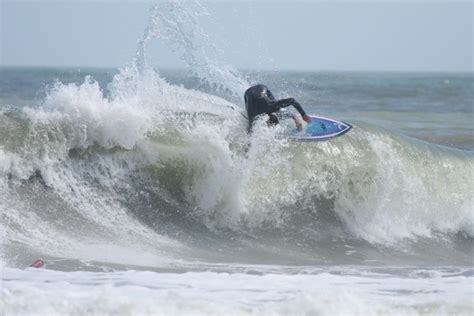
pixel 143 193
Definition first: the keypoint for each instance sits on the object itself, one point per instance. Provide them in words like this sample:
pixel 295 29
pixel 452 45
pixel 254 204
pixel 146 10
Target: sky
pixel 294 35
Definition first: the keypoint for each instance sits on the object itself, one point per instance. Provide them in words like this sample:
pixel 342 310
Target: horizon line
pixel 79 67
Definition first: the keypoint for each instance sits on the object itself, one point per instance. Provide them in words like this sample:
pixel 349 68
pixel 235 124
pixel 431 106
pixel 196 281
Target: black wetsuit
pixel 259 100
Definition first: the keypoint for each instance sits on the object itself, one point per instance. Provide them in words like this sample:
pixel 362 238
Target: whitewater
pixel 144 194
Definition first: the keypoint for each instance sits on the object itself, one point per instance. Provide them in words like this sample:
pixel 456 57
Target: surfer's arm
pixel 298 122
pixel 284 114
pixel 291 101
pixel 283 103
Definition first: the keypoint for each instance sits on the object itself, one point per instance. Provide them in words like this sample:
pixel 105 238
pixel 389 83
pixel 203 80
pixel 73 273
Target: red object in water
pixel 37 264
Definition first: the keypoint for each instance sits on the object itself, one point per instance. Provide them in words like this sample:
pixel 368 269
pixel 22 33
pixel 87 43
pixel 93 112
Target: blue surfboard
pixel 321 128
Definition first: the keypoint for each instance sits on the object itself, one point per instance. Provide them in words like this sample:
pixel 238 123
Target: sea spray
pixel 177 23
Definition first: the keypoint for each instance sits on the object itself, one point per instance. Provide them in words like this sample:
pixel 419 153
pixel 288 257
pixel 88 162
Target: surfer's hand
pixel 299 125
pixel 307 118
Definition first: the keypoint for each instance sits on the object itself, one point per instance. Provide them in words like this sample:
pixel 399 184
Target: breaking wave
pixel 155 172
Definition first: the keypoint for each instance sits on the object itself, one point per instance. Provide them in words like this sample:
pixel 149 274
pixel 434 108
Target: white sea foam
pixel 204 293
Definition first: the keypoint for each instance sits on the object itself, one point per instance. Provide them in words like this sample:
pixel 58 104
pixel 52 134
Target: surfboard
pixel 321 128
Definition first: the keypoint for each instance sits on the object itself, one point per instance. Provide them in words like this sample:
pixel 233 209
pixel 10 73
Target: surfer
pixel 259 100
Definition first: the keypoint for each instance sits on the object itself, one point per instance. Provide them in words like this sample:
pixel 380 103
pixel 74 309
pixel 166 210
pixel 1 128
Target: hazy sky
pixel 308 35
